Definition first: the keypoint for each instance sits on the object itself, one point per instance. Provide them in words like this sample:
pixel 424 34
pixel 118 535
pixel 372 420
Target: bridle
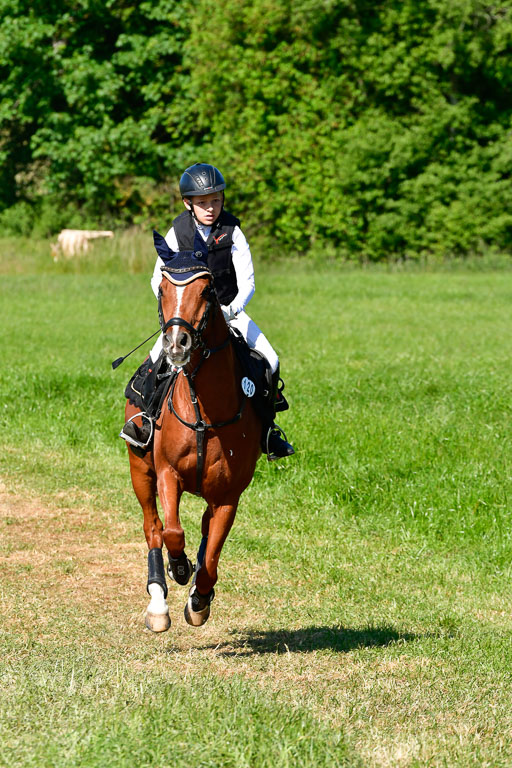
pixel 200 425
pixel 195 332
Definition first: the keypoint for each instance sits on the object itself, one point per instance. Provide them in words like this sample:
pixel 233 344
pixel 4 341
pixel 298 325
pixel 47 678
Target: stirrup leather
pixel 280 401
pixel 131 440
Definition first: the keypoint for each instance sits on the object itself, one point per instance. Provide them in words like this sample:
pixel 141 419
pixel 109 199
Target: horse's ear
pixel 161 246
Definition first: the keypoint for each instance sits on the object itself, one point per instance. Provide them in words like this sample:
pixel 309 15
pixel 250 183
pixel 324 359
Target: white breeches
pixel 251 333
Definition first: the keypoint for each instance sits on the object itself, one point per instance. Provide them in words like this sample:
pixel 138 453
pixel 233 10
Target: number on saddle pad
pixel 255 367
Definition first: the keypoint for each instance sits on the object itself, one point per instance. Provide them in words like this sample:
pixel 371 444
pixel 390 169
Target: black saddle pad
pixel 133 391
pixel 146 390
pixel 254 365
pixel 147 394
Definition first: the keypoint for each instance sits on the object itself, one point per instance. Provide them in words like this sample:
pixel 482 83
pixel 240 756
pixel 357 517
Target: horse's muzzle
pixel 177 345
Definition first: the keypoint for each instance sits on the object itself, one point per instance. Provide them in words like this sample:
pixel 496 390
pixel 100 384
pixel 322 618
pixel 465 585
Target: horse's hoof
pixel 158 622
pixel 180 569
pixel 197 607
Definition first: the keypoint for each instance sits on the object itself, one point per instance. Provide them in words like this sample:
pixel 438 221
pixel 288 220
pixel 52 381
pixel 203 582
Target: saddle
pixel 150 383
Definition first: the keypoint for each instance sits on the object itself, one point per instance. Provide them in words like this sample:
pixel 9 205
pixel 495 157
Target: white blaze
pixel 176 328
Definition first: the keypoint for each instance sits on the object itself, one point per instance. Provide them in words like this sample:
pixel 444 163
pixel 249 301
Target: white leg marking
pixel 158 604
pixel 157 614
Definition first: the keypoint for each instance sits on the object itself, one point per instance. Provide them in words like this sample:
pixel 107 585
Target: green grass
pixel 94 712
pixel 132 251
pixel 363 610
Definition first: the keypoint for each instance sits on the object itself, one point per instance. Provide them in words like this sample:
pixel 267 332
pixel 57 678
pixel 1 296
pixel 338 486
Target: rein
pixel 200 425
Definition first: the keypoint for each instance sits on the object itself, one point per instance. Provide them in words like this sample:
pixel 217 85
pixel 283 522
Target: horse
pixel 206 440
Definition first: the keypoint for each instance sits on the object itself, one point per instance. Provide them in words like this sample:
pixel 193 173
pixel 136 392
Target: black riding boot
pixel 276 445
pixel 274 442
pixel 280 401
pixel 139 437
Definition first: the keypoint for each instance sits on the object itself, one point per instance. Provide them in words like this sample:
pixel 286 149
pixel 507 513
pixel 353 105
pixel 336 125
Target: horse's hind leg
pixel 205 529
pixel 217 522
pixel 144 485
pixel 180 569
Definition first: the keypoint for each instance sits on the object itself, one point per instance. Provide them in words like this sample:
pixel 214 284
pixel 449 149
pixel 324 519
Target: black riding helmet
pixel 201 179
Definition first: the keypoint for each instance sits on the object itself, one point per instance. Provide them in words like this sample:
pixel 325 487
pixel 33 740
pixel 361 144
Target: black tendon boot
pixel 275 444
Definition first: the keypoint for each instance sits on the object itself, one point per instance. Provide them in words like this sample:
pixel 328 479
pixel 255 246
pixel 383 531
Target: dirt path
pixel 72 572
pixel 61 560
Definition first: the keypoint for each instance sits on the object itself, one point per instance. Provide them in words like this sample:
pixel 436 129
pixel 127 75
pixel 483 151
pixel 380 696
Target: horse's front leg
pixel 217 522
pixel 157 613
pixel 144 484
pixel 169 490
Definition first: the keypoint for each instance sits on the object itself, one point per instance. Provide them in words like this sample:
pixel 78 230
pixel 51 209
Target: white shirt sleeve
pixel 242 262
pixel 172 240
pixel 157 275
pixel 156 279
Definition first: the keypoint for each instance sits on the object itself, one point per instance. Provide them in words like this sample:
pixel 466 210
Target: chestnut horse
pixel 206 440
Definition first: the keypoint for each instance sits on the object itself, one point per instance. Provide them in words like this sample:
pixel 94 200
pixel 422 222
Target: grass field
pixel 363 614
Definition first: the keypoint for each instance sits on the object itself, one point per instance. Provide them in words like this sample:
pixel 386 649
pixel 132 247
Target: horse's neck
pixel 219 332
pixel 217 381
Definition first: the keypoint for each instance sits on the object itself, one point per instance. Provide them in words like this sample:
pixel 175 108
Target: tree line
pixel 344 128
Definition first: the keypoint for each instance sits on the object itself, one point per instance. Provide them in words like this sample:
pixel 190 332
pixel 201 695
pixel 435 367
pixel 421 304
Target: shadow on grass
pixel 335 638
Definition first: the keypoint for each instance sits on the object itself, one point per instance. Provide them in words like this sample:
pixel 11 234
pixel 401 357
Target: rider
pixel 205 226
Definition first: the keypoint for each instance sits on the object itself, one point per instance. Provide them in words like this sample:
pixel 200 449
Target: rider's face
pixel 206 208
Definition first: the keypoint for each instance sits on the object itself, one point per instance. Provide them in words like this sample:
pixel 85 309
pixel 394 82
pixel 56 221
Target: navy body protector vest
pixel 217 249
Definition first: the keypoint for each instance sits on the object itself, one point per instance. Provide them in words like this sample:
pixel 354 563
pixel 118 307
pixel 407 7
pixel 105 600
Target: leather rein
pixel 200 426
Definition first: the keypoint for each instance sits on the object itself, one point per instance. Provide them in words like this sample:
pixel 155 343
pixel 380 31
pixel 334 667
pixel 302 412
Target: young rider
pixel 205 226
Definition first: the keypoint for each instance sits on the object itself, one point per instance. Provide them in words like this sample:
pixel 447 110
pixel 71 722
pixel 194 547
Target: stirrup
pixel 275 428
pixel 131 440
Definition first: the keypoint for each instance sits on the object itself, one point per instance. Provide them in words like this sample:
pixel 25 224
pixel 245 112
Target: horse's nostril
pixel 183 340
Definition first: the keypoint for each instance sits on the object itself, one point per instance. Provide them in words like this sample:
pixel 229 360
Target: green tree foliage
pixel 348 127
pixel 365 128
pixel 86 117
